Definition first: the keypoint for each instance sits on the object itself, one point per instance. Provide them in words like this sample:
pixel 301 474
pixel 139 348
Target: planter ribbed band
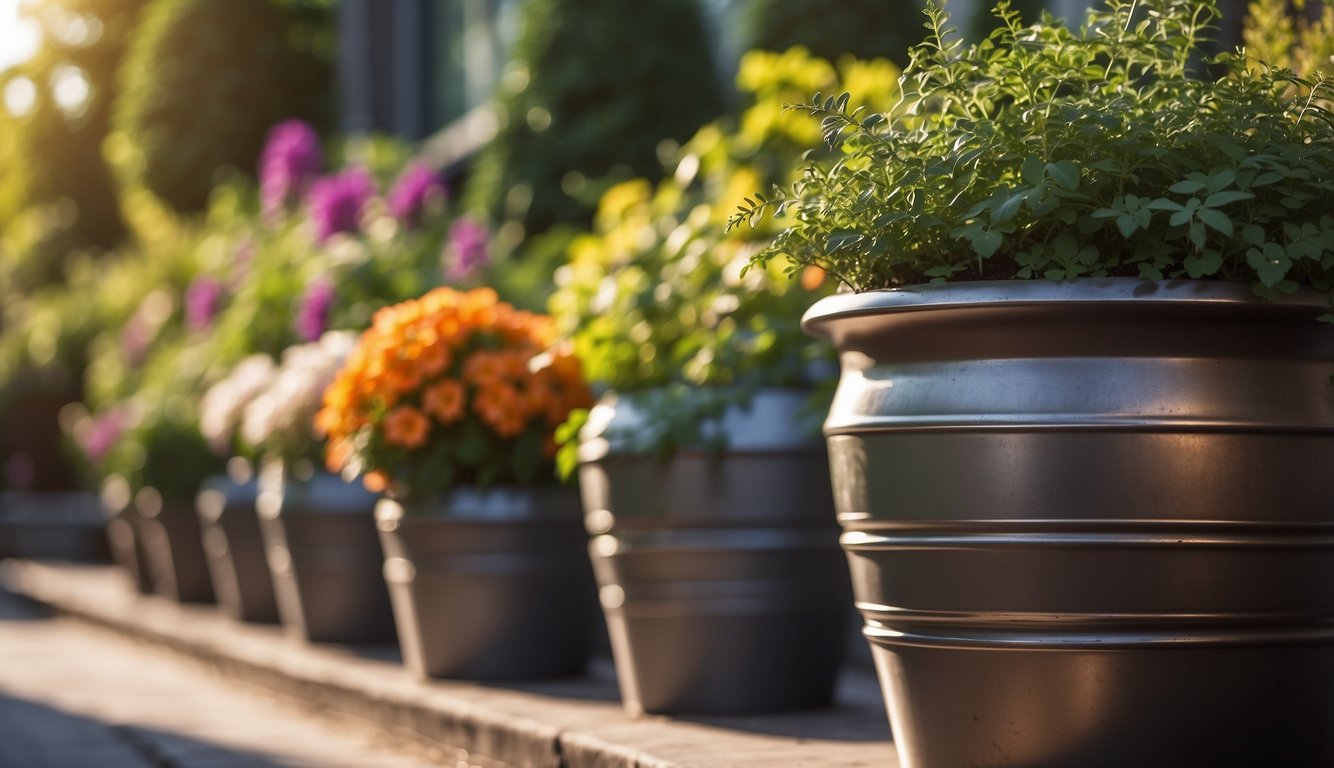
pixel 1091 523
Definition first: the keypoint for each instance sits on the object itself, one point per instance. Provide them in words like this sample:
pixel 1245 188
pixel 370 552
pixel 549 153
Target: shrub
pixel 203 82
pixel 1047 152
pixel 53 150
pixel 593 87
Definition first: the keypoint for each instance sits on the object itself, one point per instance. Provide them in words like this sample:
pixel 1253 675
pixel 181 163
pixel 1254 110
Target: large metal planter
pixel 173 549
pixel 720 576
pixel 1091 523
pixel 235 551
pixel 490 585
pixel 319 537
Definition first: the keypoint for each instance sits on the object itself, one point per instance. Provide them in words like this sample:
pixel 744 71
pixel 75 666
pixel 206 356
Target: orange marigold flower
pixel 444 400
pixel 406 427
pixel 484 369
pixel 375 481
pixel 434 359
pixel 336 454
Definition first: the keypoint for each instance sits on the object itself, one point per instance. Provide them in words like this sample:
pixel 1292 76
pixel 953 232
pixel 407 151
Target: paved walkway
pixel 74 696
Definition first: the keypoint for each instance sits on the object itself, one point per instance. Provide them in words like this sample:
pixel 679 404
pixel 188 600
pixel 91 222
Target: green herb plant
pixel 1049 152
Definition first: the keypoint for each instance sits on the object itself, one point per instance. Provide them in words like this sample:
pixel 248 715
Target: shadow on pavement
pixel 34 735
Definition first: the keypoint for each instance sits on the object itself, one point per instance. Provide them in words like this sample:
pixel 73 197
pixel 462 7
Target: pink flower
pixel 336 202
pixel 415 191
pixel 201 303
pixel 313 315
pixel 466 253
pixel 291 159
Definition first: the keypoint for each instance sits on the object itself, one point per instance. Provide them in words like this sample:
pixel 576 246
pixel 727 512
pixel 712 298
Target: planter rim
pixel 1013 293
pixel 502 503
pixel 767 424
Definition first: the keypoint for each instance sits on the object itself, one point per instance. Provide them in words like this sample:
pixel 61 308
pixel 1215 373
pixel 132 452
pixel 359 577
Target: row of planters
pixel 453 407
pixel 1079 447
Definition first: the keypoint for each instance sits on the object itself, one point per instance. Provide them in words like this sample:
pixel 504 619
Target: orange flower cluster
pixel 427 365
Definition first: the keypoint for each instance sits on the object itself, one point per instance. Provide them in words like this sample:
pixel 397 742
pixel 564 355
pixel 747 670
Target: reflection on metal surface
pixel 1091 523
pixel 721 577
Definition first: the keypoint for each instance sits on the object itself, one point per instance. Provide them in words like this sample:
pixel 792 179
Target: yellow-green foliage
pixel 654 293
pixel 1274 35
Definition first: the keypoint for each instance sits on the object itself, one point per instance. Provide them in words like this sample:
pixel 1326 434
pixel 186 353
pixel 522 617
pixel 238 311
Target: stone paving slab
pixel 77 696
pixel 574 723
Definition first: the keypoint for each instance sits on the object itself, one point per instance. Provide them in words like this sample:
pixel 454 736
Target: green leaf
pixel 1008 209
pixel 1216 220
pixel 1032 169
pixel 1188 187
pixel 1270 264
pixel 1224 198
pixel 1127 225
pixel 1064 173
pixel 986 243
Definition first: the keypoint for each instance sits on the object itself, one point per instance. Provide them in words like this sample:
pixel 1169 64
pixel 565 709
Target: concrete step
pixel 575 723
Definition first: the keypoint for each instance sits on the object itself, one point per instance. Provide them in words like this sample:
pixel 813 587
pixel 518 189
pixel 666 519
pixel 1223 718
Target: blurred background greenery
pixel 131 134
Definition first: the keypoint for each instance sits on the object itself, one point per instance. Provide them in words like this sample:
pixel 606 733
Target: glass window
pixel 471 40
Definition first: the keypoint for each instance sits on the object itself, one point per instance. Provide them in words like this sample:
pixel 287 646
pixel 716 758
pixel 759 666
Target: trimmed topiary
pixel 592 88
pixel 204 81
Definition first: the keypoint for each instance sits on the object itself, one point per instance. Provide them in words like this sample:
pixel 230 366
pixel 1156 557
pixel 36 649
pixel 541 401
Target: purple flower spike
pixel 313 315
pixel 466 253
pixel 336 202
pixel 292 158
pixel 101 435
pixel 201 303
pixel 415 190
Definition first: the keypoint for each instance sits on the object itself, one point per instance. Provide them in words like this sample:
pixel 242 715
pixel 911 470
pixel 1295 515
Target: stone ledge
pixel 574 723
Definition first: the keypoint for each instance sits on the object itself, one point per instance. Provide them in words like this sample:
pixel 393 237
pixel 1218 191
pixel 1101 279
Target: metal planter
pixel 720 576
pixel 235 551
pixel 124 541
pixel 320 543
pixel 490 585
pixel 173 550
pixel 1091 523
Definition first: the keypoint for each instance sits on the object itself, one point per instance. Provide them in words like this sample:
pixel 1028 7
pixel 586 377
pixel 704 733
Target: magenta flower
pixel 313 315
pixel 101 434
pixel 335 202
pixel 201 303
pixel 292 158
pixel 466 252
pixel 415 190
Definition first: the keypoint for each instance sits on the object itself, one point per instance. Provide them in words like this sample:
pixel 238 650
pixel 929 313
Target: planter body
pixel 490 585
pixel 235 552
pixel 173 549
pixel 1091 523
pixel 319 537
pixel 720 576
pixel 126 543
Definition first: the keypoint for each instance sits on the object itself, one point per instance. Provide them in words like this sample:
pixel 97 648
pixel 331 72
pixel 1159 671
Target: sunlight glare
pixel 19 39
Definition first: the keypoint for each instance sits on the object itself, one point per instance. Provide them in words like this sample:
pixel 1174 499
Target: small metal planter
pixel 1091 523
pixel 123 538
pixel 173 548
pixel 490 585
pixel 720 576
pixel 235 551
pixel 319 538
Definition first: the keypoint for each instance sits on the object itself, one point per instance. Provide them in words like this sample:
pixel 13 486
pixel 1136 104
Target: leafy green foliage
pixel 654 296
pixel 1273 34
pixel 1045 152
pixel 203 82
pixel 52 149
pixel 593 87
